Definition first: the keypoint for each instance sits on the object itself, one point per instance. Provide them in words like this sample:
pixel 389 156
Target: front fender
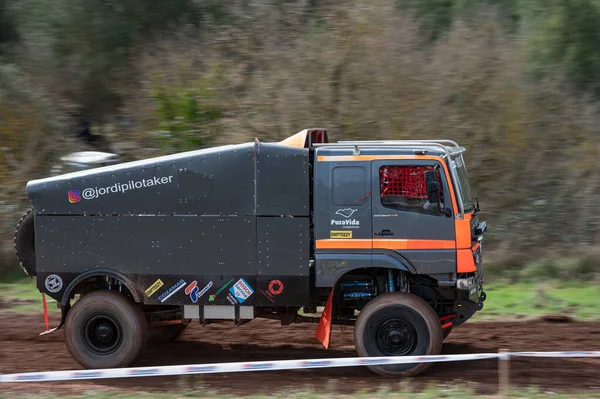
pixel 331 266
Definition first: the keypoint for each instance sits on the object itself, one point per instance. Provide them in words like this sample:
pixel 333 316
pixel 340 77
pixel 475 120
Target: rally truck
pixel 384 236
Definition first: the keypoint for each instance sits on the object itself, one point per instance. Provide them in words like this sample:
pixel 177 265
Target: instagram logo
pixel 74 196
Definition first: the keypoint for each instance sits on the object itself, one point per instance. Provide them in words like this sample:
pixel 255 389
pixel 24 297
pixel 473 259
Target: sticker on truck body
pixel 154 287
pixel 171 291
pixel 241 291
pixel 53 283
pixel 194 292
pixel 340 234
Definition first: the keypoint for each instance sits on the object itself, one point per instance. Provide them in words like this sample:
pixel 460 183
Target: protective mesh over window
pixel 404 181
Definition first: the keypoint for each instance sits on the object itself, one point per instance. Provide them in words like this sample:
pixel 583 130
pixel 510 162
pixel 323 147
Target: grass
pixel 505 301
pixel 22 296
pixel 578 300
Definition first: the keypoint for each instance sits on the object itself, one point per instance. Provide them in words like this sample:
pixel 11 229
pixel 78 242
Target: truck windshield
pixel 463 183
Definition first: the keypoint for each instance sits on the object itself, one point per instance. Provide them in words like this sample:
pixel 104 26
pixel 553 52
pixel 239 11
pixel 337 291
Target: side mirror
pixel 433 187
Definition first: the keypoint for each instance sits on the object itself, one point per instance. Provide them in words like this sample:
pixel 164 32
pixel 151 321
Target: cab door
pixel 343 216
pixel 405 223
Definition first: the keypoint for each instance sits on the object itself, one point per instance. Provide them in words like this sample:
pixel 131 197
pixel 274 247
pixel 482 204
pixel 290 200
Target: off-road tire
pixel 408 310
pixel 120 311
pixel 25 242
pixel 164 334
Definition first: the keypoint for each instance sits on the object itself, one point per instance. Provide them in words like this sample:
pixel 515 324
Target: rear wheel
pixel 105 329
pixel 398 324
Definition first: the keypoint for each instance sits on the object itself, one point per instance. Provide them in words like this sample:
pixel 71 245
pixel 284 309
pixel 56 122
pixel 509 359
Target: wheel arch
pixel 331 267
pixel 82 279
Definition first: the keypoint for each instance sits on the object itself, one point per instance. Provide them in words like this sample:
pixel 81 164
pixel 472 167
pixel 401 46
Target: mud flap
pixel 62 319
pixel 323 333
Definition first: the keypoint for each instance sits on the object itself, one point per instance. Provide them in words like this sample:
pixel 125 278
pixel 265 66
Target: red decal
pixel 276 287
pixel 190 287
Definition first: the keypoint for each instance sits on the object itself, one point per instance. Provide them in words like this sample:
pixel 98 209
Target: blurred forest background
pixel 515 81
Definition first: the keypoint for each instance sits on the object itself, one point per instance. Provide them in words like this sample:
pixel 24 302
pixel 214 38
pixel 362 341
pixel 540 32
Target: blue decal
pixel 241 290
pixel 200 369
pixel 259 366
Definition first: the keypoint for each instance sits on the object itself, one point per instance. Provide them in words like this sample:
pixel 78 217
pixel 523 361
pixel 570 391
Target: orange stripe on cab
pixel 344 244
pixel 384 244
pixel 413 244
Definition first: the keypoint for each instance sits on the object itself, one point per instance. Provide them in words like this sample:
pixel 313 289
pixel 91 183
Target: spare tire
pixel 25 243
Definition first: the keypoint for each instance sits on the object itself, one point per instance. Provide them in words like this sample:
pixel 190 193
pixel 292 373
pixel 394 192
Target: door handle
pixel 385 233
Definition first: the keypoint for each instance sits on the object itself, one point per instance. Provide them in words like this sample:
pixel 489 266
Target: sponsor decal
pixel 91 193
pixel 231 299
pixel 32 377
pixel 212 297
pixel 171 291
pixel 144 372
pixel 340 234
pixel 373 361
pixel 193 291
pixel 316 363
pixel 385 215
pixel 54 283
pixel 154 287
pixel 87 374
pixel 74 196
pixel 258 366
pixel 190 287
pixel 241 290
pixel 346 212
pixel 200 369
pixel 346 224
pixel 275 288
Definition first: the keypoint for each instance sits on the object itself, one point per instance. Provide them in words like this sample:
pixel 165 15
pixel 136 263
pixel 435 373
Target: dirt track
pixel 23 350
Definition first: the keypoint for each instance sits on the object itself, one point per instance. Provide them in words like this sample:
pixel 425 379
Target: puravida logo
pixel 74 196
pixel 346 212
pixel 347 223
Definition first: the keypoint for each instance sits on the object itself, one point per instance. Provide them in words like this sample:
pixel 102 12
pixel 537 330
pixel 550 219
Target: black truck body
pixel 262 229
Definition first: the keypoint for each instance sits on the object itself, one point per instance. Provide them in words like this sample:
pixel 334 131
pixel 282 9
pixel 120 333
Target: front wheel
pixel 105 329
pixel 398 324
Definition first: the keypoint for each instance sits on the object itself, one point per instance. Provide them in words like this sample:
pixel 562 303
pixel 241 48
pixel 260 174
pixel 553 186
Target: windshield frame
pixel 461 180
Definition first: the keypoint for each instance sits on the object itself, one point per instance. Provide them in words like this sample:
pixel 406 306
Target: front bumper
pixel 470 292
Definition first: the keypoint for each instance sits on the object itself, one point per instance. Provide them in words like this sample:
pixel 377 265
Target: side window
pixel 350 185
pixel 403 187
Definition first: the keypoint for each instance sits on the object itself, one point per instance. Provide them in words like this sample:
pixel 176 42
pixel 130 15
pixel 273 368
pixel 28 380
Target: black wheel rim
pixel 102 334
pixel 396 337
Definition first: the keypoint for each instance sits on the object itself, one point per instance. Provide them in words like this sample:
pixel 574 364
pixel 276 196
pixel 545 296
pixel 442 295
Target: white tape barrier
pixel 556 354
pixel 267 366
pixel 234 367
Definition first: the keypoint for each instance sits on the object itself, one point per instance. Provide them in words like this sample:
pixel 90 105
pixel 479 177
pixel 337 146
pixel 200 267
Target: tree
pixel 85 47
